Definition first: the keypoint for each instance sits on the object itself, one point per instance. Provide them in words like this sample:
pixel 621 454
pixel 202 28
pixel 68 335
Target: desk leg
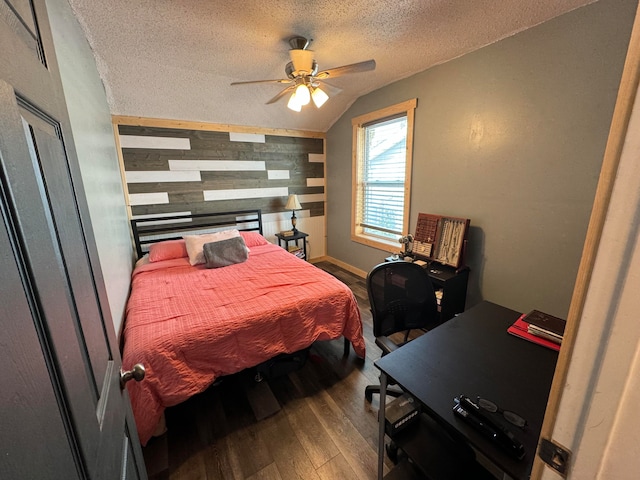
pixel 381 424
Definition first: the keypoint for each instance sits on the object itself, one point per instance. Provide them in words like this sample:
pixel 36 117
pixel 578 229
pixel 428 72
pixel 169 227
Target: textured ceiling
pixel 175 59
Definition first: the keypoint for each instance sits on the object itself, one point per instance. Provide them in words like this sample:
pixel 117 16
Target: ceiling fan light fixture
pixel 303 96
pixel 302 61
pixel 319 96
pixel 293 103
pixel 303 78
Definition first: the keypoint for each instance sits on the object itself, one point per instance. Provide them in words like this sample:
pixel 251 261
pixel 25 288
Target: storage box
pixel 400 413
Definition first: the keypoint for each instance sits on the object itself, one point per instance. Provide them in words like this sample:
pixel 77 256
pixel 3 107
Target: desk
pixel 452 282
pixel 473 354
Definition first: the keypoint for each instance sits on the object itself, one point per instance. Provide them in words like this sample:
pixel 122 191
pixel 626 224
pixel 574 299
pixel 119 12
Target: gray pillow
pixel 225 252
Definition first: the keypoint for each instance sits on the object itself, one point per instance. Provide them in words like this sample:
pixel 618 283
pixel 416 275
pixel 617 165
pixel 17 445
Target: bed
pixel 190 325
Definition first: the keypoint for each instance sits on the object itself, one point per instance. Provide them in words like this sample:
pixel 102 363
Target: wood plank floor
pixel 324 429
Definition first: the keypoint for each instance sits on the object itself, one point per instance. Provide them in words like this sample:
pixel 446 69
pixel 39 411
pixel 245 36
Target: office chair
pixel 402 298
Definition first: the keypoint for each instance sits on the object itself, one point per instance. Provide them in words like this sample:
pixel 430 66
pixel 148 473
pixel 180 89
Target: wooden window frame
pixel 358 127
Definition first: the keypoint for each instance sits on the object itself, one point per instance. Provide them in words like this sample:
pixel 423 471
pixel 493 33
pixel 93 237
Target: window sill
pixel 390 246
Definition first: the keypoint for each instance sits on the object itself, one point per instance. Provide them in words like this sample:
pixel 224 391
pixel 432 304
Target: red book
pixel 521 329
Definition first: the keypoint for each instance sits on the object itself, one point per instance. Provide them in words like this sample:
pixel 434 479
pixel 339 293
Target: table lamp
pixel 293 204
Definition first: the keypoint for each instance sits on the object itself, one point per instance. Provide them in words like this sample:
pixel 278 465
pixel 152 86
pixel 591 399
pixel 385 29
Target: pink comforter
pixel 190 325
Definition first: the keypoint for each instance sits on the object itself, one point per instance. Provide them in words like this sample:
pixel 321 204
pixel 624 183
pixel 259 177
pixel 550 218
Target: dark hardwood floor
pixel 324 428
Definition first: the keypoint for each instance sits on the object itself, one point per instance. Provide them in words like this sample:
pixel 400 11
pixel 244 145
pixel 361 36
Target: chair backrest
pixel 401 297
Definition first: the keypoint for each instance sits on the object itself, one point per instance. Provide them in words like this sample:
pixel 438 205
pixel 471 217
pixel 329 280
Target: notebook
pixel 545 324
pixel 521 329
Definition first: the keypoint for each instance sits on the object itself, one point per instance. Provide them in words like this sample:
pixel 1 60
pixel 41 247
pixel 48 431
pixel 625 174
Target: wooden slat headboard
pixel 147 231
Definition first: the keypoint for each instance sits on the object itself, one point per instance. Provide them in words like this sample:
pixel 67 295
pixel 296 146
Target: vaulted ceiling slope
pixel 176 59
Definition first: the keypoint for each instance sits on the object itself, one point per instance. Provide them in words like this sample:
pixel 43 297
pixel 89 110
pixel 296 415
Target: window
pixel 383 145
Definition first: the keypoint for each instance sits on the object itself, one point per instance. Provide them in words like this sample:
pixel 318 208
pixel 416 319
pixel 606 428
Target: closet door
pixel 63 413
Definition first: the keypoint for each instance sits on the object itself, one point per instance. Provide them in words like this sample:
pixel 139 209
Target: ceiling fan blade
pixel 282 80
pixel 345 69
pixel 289 89
pixel 329 88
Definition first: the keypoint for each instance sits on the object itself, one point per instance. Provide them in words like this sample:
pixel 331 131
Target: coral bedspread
pixel 190 325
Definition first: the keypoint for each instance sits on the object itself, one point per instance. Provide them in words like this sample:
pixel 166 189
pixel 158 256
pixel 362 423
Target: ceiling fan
pixel 303 76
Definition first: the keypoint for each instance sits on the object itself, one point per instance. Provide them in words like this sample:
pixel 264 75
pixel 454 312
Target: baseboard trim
pixel 341 264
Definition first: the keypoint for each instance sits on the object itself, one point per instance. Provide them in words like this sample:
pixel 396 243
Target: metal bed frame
pixel 149 230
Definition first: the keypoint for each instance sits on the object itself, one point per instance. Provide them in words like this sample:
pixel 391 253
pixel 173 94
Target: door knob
pixel 137 373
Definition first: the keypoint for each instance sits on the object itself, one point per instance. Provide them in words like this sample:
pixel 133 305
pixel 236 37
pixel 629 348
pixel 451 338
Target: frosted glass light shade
pixel 319 97
pixel 293 103
pixel 303 96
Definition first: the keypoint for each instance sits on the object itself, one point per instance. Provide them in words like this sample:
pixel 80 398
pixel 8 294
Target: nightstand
pixel 294 238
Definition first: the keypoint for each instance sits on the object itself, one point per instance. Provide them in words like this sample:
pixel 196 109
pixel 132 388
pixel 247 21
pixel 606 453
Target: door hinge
pixel 554 455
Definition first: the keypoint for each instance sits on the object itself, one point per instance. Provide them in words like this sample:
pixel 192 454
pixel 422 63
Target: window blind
pixel 381 177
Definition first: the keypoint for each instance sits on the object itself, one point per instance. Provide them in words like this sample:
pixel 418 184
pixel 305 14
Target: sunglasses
pixel 509 416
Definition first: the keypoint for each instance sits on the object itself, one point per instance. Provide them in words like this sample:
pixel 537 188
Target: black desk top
pixel 472 354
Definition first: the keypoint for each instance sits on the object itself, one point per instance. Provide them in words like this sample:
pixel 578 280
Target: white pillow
pixel 144 260
pixel 195 243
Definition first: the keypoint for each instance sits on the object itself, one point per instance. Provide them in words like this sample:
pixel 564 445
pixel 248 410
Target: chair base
pixel 371 389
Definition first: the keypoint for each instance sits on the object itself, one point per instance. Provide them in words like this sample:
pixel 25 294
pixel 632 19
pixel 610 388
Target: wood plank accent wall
pixel 169 169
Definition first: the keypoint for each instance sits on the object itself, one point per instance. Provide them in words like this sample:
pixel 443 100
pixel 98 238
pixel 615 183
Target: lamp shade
pixel 293 103
pixel 319 96
pixel 293 203
pixel 303 95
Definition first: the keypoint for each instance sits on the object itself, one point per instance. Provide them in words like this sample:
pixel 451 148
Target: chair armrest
pixel 386 345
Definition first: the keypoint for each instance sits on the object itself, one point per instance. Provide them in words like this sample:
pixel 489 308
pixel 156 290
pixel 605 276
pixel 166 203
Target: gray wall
pixel 97 155
pixel 511 136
